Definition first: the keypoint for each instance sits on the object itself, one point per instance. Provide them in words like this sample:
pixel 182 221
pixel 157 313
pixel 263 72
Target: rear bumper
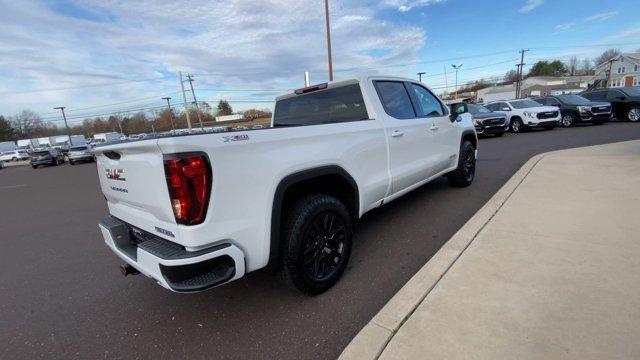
pixel 81 157
pixel 169 264
pixel 43 162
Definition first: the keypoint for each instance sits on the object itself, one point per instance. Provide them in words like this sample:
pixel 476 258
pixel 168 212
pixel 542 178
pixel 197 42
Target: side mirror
pixel 621 98
pixel 459 108
pixel 453 117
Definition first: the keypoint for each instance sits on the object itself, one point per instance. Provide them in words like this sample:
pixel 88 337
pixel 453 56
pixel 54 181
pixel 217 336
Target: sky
pixel 100 56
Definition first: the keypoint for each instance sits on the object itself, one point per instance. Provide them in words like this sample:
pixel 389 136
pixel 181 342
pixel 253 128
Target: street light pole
pixel 420 75
pixel 170 112
pixel 326 14
pixel 456 67
pixel 61 108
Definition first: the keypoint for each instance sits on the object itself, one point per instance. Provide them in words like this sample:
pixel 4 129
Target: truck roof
pixel 353 80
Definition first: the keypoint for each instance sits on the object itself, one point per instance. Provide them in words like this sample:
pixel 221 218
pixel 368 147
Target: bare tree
pixel 587 67
pixel 572 65
pixel 606 56
pixel 511 76
pixel 27 124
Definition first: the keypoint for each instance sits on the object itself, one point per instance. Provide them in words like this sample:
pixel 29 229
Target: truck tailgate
pixel 133 181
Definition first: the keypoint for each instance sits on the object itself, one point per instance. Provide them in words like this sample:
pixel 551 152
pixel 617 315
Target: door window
pixel 614 95
pixel 502 106
pixel 427 105
pixel 596 95
pixel 395 99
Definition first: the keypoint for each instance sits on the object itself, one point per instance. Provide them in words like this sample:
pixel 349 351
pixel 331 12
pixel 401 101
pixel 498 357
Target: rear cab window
pixel 332 105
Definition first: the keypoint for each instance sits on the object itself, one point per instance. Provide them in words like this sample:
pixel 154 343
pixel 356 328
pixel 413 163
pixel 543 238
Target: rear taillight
pixel 189 181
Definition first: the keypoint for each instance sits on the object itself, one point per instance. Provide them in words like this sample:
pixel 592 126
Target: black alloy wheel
pixel 325 243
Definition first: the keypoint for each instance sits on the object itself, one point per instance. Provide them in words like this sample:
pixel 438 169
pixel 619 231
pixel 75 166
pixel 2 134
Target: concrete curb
pixel 374 337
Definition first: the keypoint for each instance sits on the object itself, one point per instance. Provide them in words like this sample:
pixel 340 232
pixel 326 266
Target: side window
pixel 395 99
pixel 492 107
pixel 543 101
pixel 552 102
pixel 613 95
pixel 502 106
pixel 427 105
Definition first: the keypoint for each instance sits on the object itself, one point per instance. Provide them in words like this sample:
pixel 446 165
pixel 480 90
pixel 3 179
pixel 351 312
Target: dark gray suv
pixel 46 157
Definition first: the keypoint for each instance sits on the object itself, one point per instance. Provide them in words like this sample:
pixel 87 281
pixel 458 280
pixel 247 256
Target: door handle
pixel 434 127
pixel 397 133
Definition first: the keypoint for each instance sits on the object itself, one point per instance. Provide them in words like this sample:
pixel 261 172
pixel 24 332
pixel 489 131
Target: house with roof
pixel 623 70
pixel 536 86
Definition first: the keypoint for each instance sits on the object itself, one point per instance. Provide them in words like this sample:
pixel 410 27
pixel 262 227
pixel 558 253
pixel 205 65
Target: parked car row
pixel 547 112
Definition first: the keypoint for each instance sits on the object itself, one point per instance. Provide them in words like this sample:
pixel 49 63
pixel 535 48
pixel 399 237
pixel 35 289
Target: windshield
pixel 524 104
pixel 39 153
pixel 478 109
pixel 78 148
pixel 632 91
pixel 573 99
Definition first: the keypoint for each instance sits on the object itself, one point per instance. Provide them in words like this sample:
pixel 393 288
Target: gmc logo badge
pixel 115 174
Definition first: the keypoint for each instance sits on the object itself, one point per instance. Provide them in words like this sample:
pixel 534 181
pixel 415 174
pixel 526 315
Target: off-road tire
pixel 299 228
pixel 465 173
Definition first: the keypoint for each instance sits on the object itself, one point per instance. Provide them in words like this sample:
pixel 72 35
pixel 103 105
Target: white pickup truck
pixel 196 211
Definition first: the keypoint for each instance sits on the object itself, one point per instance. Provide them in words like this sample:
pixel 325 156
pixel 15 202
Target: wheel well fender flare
pixel 295 178
pixel 471 136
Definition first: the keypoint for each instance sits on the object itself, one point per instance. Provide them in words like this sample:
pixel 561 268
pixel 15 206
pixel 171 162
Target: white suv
pixel 14 155
pixel 525 114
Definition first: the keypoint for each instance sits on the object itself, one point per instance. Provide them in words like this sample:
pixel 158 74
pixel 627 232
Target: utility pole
pixel 184 100
pixel 61 108
pixel 520 71
pixel 326 14
pixel 609 74
pixel 170 112
pixel 119 123
pixel 446 82
pixel 195 101
pixel 155 118
pixel 420 75
pixel 456 88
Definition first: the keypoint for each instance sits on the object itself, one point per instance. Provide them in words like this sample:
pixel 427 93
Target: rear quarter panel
pixel 248 168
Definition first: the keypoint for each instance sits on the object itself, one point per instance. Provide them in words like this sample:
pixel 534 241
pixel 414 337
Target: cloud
pixel 232 44
pixel 628 34
pixel 601 16
pixel 530 5
pixel 407 5
pixel 563 27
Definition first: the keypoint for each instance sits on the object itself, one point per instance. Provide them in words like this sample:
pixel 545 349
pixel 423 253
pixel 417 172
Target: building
pixel 536 86
pixel 622 70
pixel 496 92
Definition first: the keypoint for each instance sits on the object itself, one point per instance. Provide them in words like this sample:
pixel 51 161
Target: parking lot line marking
pixel 12 186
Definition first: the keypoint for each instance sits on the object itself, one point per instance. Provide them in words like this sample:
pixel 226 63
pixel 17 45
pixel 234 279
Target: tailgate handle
pixel 112 155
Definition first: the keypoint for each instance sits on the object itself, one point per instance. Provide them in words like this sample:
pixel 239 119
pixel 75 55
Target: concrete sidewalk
pixel 549 268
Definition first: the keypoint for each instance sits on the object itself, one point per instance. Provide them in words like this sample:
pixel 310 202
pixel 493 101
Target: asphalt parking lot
pixel 62 296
